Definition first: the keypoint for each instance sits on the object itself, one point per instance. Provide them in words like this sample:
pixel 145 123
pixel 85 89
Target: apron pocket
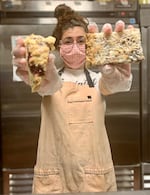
pixel 98 182
pixel 110 181
pixel 44 183
pixel 80 110
pixel 94 183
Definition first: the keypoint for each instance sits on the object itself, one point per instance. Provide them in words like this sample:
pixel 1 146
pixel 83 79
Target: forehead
pixel 74 32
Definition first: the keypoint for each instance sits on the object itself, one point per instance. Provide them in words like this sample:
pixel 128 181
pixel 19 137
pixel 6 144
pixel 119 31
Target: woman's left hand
pixel 124 69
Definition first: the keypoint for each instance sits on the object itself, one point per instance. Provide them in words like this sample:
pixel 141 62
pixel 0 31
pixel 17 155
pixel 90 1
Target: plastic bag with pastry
pixel 120 46
pixel 113 75
pixel 51 81
pixel 37 54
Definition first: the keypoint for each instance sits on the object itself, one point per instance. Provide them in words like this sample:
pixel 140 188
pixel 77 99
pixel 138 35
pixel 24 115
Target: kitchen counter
pixel 143 192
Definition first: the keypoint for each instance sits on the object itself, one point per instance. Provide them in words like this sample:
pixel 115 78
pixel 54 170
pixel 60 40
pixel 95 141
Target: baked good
pixel 38 49
pixel 123 47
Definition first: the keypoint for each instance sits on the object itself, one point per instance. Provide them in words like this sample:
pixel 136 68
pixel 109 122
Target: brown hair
pixel 67 18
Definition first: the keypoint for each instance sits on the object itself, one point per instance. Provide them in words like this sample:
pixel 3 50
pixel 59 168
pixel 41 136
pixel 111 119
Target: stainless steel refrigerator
pixel 20 110
pixel 145 96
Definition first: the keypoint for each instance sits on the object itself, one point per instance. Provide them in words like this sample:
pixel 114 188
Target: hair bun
pixel 67 18
pixel 63 11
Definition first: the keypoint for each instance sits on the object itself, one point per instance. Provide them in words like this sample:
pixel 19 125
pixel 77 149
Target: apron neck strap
pixel 61 71
pixel 88 77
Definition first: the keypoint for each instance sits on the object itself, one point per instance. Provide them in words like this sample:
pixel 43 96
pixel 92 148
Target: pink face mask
pixel 73 55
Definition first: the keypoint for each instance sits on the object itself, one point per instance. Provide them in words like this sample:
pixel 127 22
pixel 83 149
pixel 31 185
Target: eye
pixel 81 40
pixel 67 41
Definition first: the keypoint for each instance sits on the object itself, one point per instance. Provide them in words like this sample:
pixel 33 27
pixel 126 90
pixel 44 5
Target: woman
pixel 73 151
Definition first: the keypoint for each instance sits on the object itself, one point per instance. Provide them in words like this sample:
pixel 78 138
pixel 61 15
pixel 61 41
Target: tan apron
pixel 73 151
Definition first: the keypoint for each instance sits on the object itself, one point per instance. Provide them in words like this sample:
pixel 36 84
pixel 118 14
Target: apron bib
pixel 73 151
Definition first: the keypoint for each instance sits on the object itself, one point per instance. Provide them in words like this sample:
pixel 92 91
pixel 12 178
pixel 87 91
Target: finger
pixel 119 26
pixel 108 69
pixel 130 26
pixel 125 69
pixel 93 28
pixel 107 29
pixel 20 41
pixel 19 62
pixel 20 50
pixel 51 58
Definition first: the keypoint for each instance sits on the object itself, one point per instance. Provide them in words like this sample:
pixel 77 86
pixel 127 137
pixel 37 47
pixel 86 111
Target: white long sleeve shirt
pixel 115 83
